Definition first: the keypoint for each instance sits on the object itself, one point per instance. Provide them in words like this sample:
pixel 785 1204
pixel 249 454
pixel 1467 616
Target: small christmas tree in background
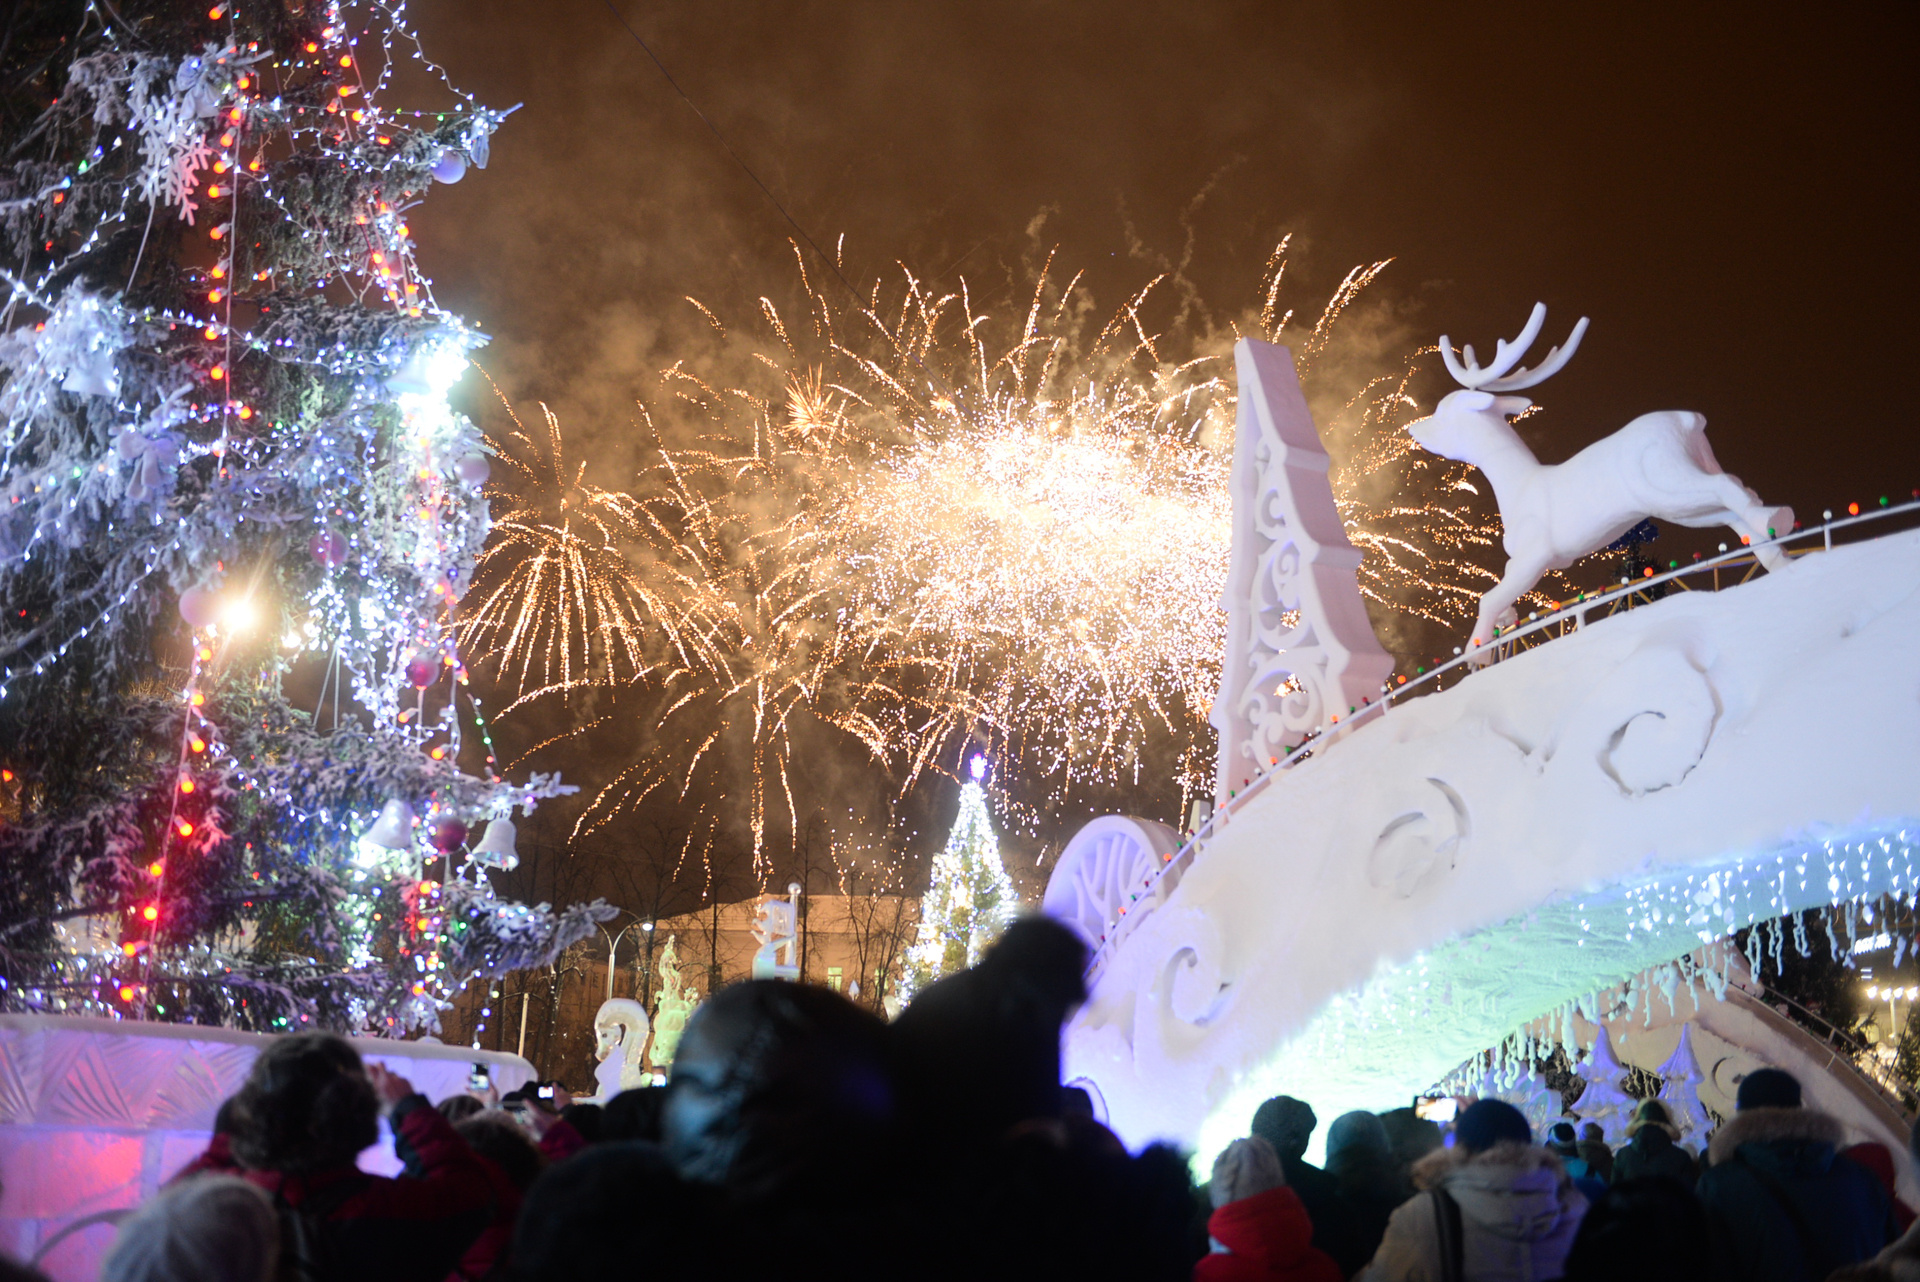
pixel 229 474
pixel 969 898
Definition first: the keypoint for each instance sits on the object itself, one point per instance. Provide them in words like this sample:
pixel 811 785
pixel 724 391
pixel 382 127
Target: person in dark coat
pixel 309 1107
pixel 517 1162
pixel 1647 1230
pixel 1259 1231
pixel 1650 1151
pixel 1563 1144
pixel 621 1210
pixel 1287 1124
pixel 1412 1137
pixel 781 1094
pixel 979 1050
pixel 1371 1183
pixel 1782 1205
pixel 1593 1147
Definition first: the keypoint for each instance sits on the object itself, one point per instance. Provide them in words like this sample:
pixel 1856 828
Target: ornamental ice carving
pixel 620 1038
pixel 1300 650
pixel 1659 465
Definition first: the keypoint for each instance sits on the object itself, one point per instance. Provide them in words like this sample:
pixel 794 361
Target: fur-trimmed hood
pixel 1513 1191
pixel 1766 1125
pixel 1442 1162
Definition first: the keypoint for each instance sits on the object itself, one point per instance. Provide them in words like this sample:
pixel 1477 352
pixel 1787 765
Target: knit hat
pixel 1286 1123
pixel 1652 1113
pixel 1244 1168
pixel 211 1228
pixel 1358 1131
pixel 1768 1088
pixel 1561 1133
pixel 1488 1122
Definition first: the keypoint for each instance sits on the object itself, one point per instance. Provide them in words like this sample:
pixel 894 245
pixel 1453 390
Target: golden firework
pixel 905 533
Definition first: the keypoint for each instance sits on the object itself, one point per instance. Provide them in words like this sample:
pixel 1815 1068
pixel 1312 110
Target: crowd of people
pixel 801 1136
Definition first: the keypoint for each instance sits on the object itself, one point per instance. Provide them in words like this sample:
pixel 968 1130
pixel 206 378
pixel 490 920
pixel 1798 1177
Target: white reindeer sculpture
pixel 1658 465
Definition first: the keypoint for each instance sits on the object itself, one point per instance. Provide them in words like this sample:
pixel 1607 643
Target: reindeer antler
pixel 1495 377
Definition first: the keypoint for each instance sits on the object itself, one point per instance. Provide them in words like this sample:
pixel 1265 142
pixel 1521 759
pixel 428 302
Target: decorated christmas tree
pixel 236 517
pixel 969 898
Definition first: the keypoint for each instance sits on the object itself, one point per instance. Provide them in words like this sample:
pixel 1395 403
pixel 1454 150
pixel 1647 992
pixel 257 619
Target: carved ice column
pixel 1300 649
pixel 776 930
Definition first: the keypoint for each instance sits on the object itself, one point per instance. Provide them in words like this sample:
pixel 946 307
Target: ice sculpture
pixel 1300 650
pixel 620 1026
pixel 776 930
pixel 1659 465
pixel 674 1003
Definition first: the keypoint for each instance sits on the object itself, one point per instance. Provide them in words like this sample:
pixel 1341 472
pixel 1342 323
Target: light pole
pixel 613 947
pixel 1892 995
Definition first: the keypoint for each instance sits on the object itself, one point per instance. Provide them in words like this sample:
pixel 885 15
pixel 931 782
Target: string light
pixel 222 459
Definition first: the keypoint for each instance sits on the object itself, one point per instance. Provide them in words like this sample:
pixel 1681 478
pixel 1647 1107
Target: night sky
pixel 1728 192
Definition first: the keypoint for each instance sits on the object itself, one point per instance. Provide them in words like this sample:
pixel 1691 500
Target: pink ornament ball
pixel 199 607
pixel 448 836
pixel 329 548
pixel 474 469
pixel 421 672
pixel 450 168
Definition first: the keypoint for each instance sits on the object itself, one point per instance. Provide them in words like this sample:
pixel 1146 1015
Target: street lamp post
pixel 1892 995
pixel 646 973
pixel 613 947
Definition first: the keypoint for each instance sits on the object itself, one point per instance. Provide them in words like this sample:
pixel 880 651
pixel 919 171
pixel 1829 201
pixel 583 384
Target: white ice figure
pixel 1300 649
pixel 776 929
pixel 672 1005
pixel 1602 1072
pixel 1659 465
pixel 1319 944
pixel 619 1040
pixel 1680 1079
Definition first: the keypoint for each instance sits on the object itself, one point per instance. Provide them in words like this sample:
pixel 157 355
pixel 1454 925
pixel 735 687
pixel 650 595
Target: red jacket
pixel 393 1230
pixel 1878 1159
pixel 483 1258
pixel 217 1158
pixel 1268 1239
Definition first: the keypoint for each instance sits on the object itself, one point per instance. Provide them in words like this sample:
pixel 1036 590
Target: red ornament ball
pixel 449 835
pixel 329 548
pixel 421 672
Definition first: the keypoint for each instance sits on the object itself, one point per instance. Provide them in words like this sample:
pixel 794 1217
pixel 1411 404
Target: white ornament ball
pixel 474 469
pixel 450 168
pixel 199 607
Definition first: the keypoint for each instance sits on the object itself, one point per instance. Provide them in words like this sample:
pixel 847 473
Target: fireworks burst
pixel 909 537
pixel 567 602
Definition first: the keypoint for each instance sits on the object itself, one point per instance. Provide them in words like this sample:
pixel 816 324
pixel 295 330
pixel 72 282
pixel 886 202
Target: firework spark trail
pixel 569 610
pixel 907 536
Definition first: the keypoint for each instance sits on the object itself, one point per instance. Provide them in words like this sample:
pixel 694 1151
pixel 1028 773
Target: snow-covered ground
pixel 1483 857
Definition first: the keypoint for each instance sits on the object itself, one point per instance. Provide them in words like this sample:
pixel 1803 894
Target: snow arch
pixel 1469 863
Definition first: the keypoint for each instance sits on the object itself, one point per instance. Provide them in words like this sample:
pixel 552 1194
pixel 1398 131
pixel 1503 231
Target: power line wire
pixel 832 264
